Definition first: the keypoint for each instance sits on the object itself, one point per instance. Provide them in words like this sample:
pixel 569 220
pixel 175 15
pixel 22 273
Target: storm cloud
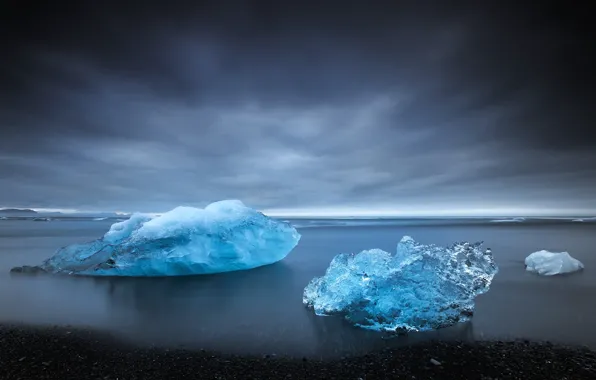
pixel 297 106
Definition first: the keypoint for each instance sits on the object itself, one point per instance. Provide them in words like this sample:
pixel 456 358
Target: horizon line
pixel 359 213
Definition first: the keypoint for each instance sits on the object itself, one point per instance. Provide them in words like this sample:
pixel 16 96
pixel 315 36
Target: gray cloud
pixel 355 106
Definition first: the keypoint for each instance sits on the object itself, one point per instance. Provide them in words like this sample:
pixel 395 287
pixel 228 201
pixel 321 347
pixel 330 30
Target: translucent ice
pixel 420 287
pixel 551 263
pixel 225 236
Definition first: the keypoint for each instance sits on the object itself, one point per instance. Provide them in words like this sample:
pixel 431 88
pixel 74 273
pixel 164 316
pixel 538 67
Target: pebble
pixel 83 354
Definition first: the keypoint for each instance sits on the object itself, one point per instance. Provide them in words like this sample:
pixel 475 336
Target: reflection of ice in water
pixel 204 311
pixel 57 300
pixel 200 312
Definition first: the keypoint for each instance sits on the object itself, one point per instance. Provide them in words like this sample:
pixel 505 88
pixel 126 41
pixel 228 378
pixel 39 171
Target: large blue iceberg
pixel 225 236
pixel 419 288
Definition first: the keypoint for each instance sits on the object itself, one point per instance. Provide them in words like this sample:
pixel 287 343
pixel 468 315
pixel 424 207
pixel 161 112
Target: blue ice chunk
pixel 225 236
pixel 419 288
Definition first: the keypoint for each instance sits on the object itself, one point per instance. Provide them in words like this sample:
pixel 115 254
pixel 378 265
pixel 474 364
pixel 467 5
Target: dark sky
pixel 319 106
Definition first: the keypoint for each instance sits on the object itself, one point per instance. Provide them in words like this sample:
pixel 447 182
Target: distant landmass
pixel 20 213
pixel 17 211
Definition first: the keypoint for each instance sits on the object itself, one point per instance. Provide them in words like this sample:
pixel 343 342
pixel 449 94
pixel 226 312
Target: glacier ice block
pixel 420 287
pixel 547 263
pixel 225 236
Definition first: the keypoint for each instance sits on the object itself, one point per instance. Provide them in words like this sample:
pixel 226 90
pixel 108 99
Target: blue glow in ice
pixel 419 288
pixel 225 236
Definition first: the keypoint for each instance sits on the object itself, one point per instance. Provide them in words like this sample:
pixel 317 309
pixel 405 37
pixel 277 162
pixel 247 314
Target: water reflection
pixel 258 311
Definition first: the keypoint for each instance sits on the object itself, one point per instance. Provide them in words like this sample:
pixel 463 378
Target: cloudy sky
pixel 298 107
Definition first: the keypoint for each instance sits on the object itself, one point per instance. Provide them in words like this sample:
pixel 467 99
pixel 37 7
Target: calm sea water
pixel 260 311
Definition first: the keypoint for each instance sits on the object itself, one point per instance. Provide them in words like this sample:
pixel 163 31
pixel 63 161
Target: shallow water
pixel 261 311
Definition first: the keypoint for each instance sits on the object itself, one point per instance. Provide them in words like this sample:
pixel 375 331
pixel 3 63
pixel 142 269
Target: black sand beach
pixel 62 353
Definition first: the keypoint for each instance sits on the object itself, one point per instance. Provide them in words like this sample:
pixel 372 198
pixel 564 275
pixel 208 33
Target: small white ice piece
pixel 547 263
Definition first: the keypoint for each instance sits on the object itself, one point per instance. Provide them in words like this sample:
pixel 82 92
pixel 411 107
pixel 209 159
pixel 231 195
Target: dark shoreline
pixel 62 353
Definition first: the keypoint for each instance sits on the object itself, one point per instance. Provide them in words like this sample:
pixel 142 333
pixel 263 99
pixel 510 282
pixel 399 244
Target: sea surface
pixel 261 312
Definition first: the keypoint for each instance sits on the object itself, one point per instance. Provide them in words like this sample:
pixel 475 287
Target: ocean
pixel 261 312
